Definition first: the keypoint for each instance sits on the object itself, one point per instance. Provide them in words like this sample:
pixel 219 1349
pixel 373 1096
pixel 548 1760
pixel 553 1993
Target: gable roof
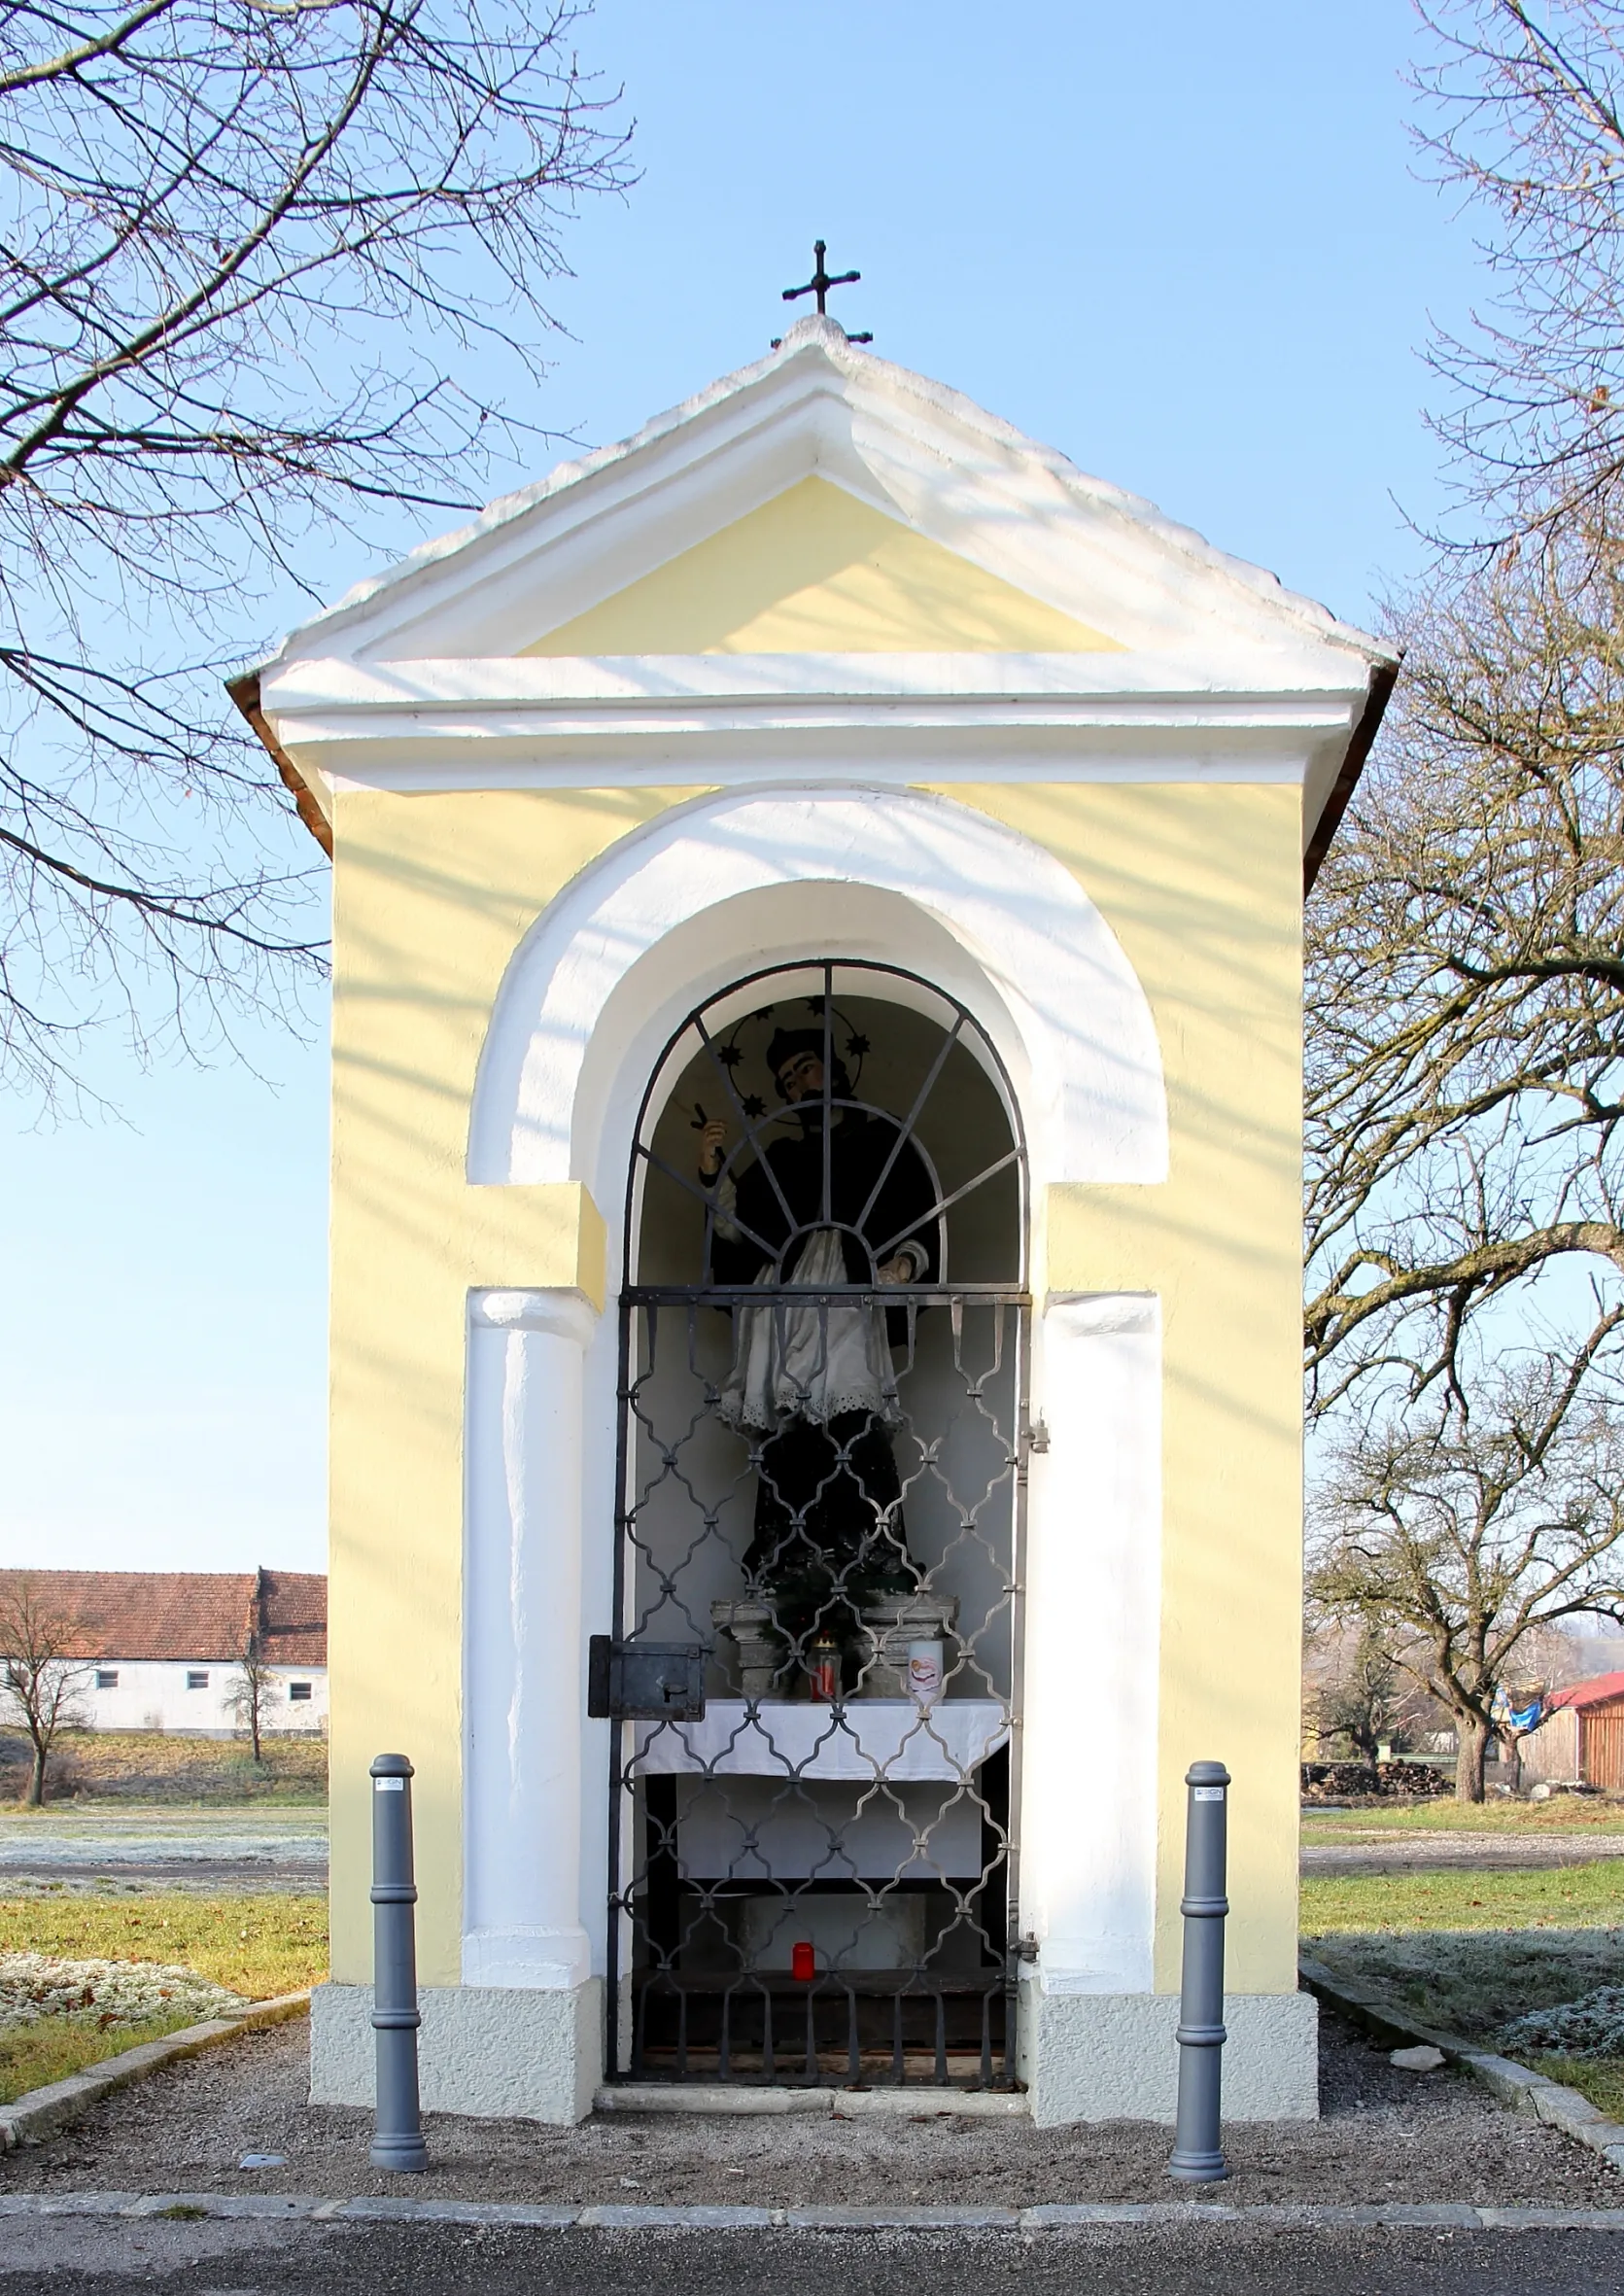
pixel 461 636
pixel 1597 1691
pixel 186 1615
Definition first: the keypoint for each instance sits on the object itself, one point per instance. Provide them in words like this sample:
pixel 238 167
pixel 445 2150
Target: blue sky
pixel 1189 246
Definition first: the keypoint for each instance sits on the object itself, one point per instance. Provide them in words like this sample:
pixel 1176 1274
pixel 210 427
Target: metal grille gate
pixel 814 1669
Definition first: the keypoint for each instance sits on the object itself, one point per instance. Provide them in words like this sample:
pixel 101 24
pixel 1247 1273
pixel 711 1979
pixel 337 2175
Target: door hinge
pixel 1037 1436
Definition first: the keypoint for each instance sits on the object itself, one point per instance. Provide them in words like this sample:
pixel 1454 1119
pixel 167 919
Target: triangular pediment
pixel 816 570
pixel 828 504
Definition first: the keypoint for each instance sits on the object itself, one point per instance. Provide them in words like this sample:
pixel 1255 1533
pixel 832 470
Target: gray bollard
pixel 1197 2141
pixel 397 2135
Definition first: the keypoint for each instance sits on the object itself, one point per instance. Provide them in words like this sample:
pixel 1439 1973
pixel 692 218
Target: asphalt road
pixel 238 2259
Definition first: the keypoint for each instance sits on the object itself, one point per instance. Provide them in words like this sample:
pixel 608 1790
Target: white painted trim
pixel 1084 1316
pixel 564 1314
pixel 333 684
pixel 737 721
pixel 602 980
pixel 376 722
pixel 744 765
pixel 907 447
pixel 574 722
pixel 523 1677
pixel 1094 1617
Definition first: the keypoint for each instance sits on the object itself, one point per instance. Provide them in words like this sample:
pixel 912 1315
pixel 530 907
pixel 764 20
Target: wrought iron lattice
pixel 823 1467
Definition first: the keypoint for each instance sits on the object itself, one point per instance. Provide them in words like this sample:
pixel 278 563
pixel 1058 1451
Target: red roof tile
pixel 1593 1692
pixel 293 1617
pixel 184 1615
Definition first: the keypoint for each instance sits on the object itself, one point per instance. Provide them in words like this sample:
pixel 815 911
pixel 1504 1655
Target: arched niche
pixel 716 888
pixel 922 1059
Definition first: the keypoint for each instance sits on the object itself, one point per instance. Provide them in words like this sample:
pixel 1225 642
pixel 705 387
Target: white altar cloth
pixel 894 1737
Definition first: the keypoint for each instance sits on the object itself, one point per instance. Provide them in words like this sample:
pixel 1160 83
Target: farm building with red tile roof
pixel 1581 1740
pixel 165 1649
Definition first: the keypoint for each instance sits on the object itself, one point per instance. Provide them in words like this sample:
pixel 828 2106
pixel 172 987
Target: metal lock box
pixel 644 1681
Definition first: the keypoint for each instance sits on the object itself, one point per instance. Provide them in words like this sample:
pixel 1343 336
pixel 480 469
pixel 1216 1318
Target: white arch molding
pixel 715 888
pixel 704 896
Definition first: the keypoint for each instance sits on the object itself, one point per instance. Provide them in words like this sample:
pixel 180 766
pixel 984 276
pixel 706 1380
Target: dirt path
pixel 1382 1852
pixel 218 1850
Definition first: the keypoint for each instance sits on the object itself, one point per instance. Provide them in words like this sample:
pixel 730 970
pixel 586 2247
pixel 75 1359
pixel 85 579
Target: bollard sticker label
pixel 390 1785
pixel 1203 1793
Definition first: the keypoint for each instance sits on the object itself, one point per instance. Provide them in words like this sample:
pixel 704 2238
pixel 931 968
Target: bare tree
pixel 1525 115
pixel 1466 981
pixel 1360 1692
pixel 42 1672
pixel 254 1687
pixel 1465 985
pixel 1465 976
pixel 1453 1545
pixel 264 263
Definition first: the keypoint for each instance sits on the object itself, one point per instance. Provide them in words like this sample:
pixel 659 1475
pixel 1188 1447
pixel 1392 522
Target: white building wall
pixel 152 1695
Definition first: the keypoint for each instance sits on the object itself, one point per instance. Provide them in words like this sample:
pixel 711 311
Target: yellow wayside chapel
pixel 829 667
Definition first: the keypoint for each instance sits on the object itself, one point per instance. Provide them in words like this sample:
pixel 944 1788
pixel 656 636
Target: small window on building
pixel 197 1678
pixel 106 1677
pixel 298 1690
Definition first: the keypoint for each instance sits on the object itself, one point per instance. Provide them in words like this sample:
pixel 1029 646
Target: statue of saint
pixel 845 1198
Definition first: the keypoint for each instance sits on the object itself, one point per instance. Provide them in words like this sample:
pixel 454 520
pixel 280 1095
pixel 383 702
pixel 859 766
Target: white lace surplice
pixel 813 1361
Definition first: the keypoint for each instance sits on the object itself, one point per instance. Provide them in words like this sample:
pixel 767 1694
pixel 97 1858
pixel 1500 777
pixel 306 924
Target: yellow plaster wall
pixel 1201 884
pixel 430 895
pixel 1202 887
pixel 814 571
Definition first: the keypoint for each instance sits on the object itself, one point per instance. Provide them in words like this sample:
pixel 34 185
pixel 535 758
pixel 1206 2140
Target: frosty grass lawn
pixel 58 2015
pixel 1470 1953
pixel 244 1947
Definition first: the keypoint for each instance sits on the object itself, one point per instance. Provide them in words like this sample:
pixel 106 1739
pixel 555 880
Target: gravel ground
pixel 1386 2135
pixel 214 1877
pixel 136 1850
pixel 1387 1853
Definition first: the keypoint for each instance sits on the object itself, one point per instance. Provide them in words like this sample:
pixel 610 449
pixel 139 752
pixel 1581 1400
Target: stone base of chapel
pixel 1113 2056
pixel 494 2051
pixel 499 2052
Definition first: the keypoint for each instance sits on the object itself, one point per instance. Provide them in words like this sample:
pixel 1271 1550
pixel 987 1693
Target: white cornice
pixel 335 685
pixel 327 730
pixel 322 711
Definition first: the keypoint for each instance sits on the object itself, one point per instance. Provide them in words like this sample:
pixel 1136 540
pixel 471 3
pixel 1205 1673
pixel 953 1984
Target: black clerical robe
pixel 829 1534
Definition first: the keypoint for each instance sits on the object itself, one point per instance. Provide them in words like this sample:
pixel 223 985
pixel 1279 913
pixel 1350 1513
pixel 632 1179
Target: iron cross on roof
pixel 819 285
